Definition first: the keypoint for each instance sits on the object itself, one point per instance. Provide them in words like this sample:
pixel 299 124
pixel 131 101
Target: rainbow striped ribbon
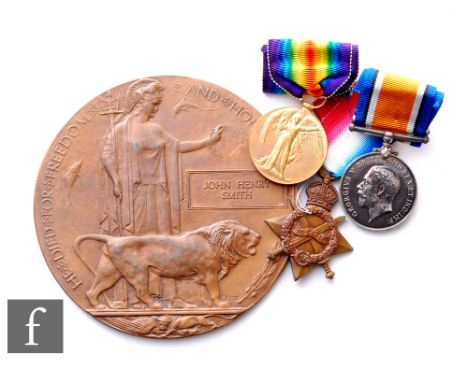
pixel 396 104
pixel 320 69
pixel 326 69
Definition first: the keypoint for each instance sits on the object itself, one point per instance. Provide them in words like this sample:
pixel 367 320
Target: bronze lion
pixel 204 255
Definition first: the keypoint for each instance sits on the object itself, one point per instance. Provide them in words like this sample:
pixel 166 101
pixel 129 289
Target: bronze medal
pixel 309 235
pixel 147 208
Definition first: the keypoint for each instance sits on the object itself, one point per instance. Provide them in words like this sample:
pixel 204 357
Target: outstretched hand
pixel 216 134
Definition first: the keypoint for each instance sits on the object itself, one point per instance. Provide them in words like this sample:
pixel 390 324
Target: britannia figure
pixel 140 162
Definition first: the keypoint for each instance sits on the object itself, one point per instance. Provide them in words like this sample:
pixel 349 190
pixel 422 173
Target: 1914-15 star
pixel 314 243
pixel 309 235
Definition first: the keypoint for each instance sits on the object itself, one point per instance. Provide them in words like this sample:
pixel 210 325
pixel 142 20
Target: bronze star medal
pixel 310 236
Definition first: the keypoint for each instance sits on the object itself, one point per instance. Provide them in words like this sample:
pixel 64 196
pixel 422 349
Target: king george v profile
pixel 377 190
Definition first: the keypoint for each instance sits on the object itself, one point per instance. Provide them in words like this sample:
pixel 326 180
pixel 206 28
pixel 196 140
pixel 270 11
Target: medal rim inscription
pixel 41 229
pixel 253 138
pixel 379 155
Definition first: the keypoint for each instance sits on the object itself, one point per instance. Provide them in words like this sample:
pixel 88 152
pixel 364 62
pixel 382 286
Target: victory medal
pixel 289 145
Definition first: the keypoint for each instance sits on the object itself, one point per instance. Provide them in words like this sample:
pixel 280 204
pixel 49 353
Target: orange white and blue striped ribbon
pixel 392 103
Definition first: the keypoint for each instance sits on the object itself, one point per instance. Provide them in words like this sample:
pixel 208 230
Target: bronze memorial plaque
pixel 150 213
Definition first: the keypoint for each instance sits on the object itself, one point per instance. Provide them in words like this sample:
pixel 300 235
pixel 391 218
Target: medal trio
pixel 378 189
pixel 177 221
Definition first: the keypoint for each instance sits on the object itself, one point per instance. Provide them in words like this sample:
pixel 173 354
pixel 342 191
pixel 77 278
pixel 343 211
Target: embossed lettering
pixel 216 185
pixel 245 184
pixel 233 189
pixel 237 195
pixel 214 96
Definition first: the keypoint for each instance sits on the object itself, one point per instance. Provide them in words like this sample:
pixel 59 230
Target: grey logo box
pixel 35 326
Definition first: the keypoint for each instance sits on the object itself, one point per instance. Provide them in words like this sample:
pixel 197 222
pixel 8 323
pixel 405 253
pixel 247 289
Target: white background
pixel 396 310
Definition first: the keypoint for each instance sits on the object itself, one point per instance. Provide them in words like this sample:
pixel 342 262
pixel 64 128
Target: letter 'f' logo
pixel 31 324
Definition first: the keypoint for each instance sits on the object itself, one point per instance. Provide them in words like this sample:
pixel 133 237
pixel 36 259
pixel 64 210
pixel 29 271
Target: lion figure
pixel 204 255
